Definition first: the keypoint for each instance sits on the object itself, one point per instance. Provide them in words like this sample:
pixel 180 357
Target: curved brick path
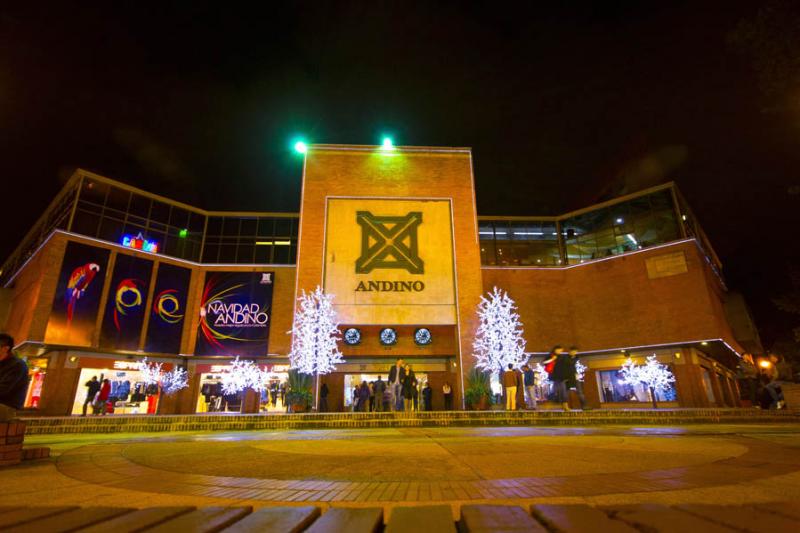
pixel 108 464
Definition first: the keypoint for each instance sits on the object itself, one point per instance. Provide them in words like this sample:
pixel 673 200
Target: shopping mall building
pixel 110 274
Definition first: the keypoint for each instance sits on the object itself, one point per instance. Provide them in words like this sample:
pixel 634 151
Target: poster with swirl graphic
pixel 126 305
pixel 77 299
pixel 168 309
pixel 235 313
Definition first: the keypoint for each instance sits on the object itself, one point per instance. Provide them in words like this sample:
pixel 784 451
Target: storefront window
pixel 213 400
pixel 707 386
pixel 613 390
pixel 128 393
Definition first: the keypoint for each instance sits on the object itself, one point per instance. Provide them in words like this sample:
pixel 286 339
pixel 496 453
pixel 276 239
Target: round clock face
pixel 388 336
pixel 352 336
pixel 422 336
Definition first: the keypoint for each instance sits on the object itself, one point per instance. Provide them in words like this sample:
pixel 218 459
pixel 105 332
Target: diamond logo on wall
pixel 389 242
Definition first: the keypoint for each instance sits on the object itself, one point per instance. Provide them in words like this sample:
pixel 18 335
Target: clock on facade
pixel 422 336
pixel 388 336
pixel 352 336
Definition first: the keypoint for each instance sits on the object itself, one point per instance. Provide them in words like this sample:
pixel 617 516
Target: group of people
pixel 560 365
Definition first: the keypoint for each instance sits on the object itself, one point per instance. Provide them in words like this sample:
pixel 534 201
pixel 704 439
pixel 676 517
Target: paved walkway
pixel 608 465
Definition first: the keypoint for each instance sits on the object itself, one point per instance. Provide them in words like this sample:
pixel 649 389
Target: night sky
pixel 563 105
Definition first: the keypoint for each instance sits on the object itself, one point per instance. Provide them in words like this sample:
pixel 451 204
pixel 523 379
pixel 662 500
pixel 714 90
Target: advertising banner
pixel 168 309
pixel 235 313
pixel 390 261
pixel 126 303
pixel 77 298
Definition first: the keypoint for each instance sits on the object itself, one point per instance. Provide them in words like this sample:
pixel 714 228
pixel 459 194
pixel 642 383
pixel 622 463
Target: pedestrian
pixel 355 398
pixel 371 396
pixel 13 378
pixel 510 386
pixel 379 389
pixel 427 397
pixel 397 375
pixel 102 398
pixel 560 364
pixel 323 398
pixel 92 388
pixel 572 380
pixel 363 397
pixel 447 392
pixel 529 382
pixel 409 389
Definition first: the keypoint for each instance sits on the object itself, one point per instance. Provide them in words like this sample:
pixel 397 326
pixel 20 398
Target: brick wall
pixel 11 436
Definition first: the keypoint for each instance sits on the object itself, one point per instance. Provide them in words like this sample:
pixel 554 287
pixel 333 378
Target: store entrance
pixel 128 392
pixel 355 401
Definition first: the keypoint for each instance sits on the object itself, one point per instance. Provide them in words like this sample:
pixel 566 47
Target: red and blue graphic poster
pixel 77 299
pixel 126 305
pixel 235 313
pixel 168 309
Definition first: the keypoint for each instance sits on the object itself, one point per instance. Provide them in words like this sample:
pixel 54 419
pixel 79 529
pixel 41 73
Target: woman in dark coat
pixel 563 371
pixel 363 396
pixel 409 389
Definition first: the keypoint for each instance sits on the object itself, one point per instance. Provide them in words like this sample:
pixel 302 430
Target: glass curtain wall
pixel 251 239
pixel 525 243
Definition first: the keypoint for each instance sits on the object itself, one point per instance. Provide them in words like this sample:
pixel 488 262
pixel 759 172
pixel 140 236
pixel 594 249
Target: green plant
pixel 298 388
pixel 478 388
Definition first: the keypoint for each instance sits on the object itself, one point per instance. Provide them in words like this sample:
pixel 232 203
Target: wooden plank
pixel 362 520
pixel 438 518
pixel 137 520
pixel 663 519
pixel 739 517
pixel 277 520
pixel 28 514
pixel 787 509
pixel 578 518
pixel 70 520
pixel 205 520
pixel 488 518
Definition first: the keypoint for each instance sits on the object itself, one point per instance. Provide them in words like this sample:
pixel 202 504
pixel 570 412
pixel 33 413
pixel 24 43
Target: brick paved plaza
pixel 385 467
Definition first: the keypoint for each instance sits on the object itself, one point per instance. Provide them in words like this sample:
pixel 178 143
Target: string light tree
pixel 151 373
pixel 315 334
pixel 655 376
pixel 499 340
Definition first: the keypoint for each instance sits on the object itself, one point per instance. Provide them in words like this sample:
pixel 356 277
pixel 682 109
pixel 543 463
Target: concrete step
pixel 233 422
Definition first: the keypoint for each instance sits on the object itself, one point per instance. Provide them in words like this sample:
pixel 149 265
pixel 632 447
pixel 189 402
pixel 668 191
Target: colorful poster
pixel 77 298
pixel 168 309
pixel 235 313
pixel 125 305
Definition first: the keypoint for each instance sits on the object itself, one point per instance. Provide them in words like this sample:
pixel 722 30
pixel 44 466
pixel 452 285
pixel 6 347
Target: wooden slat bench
pixel 771 518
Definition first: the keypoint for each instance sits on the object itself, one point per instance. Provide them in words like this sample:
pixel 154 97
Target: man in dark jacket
pixel 562 372
pixel 92 388
pixel 323 398
pixel 13 375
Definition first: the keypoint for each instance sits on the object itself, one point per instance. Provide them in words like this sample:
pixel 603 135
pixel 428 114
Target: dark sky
pixel 562 104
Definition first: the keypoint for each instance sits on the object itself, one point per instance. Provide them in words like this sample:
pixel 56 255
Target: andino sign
pixel 390 261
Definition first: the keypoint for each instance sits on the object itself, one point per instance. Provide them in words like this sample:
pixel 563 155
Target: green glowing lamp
pixel 183 233
pixel 387 143
pixel 300 147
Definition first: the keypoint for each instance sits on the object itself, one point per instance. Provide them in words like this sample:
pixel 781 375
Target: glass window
pixel 244 253
pixel 94 192
pixel 248 227
pixel 160 212
pixel 266 227
pixel 283 227
pixel 139 206
pixel 214 226
pixel 230 227
pixel 85 223
pixel 612 389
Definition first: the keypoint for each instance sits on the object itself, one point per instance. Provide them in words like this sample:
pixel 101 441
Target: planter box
pixel 11 436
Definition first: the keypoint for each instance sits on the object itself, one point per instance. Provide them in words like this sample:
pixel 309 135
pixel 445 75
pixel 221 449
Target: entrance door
pixel 353 381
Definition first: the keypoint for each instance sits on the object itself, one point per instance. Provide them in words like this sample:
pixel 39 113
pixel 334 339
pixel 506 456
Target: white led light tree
pixel 150 372
pixel 175 380
pixel 315 334
pixel 655 376
pixel 580 370
pixel 241 375
pixel 498 341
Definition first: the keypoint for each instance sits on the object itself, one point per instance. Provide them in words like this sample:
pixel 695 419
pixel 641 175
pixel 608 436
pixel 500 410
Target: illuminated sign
pixel 390 261
pixel 140 243
pixel 126 365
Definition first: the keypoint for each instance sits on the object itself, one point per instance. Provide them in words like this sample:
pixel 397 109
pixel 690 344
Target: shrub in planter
pixel 478 390
pixel 298 391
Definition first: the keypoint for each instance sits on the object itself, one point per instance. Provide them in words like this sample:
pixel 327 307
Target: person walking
pixel 102 397
pixel 379 389
pixel 92 388
pixel 13 378
pixel 397 375
pixel 371 396
pixel 427 397
pixel 561 364
pixel 572 379
pixel 363 397
pixel 447 392
pixel 409 389
pixel 510 382
pixel 529 382
pixel 323 398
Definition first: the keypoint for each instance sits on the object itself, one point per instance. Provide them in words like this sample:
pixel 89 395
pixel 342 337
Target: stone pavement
pixel 394 466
